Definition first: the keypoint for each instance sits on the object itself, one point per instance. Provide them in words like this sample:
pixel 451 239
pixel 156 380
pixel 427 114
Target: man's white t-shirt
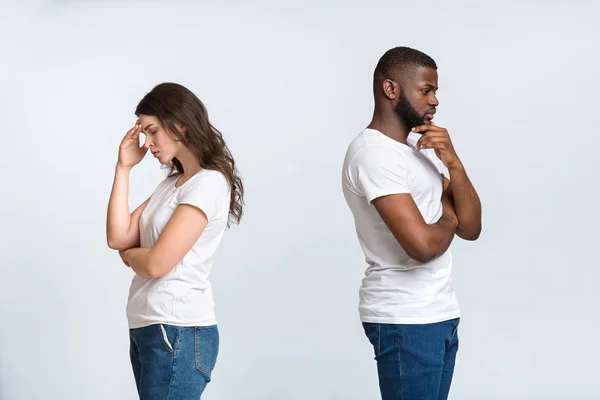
pixel 397 289
pixel 183 297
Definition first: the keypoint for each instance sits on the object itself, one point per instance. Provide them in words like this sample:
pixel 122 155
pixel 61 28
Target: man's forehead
pixel 423 76
pixel 426 73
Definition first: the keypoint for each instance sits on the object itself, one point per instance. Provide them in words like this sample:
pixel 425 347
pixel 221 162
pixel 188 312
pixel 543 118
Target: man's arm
pixel 421 241
pixel 466 203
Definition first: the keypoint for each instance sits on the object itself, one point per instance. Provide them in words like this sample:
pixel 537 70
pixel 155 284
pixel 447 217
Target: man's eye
pixel 425 91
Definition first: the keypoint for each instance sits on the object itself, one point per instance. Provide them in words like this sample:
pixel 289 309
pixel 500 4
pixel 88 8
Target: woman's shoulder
pixel 210 177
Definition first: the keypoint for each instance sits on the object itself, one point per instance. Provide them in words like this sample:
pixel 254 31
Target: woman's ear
pixel 181 128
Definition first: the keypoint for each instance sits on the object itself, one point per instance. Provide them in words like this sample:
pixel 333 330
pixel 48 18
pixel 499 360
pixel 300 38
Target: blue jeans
pixel 414 362
pixel 173 362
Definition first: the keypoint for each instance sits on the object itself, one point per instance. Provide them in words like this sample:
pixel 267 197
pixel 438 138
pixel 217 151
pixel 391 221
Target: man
pixel 406 213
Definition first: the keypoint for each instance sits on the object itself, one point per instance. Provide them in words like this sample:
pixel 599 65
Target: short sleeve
pixel 209 191
pixel 379 171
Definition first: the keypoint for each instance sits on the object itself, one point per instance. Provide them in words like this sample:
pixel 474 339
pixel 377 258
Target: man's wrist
pixel 457 166
pixel 450 220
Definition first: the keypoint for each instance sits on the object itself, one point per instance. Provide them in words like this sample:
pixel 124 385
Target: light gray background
pixel 289 84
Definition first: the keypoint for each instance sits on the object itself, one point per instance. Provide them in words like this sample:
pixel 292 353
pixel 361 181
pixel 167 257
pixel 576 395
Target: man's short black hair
pixel 399 63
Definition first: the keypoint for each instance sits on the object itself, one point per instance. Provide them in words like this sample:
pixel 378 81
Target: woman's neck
pixel 190 165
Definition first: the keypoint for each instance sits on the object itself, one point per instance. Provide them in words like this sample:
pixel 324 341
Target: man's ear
pixel 391 89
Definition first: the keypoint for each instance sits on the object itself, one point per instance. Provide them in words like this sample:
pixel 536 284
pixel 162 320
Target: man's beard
pixel 408 113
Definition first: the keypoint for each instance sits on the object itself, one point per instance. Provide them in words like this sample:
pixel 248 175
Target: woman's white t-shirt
pixel 183 297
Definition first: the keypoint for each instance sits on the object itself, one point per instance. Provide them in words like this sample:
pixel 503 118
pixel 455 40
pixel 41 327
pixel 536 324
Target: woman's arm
pixel 122 229
pixel 177 238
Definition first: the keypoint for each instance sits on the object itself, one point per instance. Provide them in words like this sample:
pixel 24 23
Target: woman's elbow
pixel 115 244
pixel 157 269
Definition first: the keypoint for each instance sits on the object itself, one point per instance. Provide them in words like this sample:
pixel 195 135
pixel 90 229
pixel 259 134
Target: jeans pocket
pixel 206 348
pixel 455 329
pixel 165 339
pixel 373 333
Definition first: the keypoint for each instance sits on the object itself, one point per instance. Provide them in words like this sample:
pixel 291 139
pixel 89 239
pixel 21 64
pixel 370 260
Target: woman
pixel 170 240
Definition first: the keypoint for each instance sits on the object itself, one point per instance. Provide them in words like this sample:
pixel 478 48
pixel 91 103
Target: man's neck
pixel 390 124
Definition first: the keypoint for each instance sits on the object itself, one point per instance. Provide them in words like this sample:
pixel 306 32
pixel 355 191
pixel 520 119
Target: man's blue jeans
pixel 172 362
pixel 414 362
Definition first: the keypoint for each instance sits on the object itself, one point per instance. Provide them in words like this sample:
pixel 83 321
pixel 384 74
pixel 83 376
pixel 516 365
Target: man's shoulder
pixel 366 146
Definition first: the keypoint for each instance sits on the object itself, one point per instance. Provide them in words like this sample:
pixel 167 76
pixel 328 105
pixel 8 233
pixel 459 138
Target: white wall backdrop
pixel 289 85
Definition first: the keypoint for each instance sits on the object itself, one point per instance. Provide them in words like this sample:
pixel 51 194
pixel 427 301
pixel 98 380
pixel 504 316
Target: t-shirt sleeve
pixel 209 192
pixel 378 171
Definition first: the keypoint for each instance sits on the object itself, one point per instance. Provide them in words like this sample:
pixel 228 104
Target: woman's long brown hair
pixel 173 104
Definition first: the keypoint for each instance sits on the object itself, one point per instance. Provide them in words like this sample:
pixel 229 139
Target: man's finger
pixel 430 130
pixel 427 142
pixel 436 143
pixel 426 127
pixel 421 128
